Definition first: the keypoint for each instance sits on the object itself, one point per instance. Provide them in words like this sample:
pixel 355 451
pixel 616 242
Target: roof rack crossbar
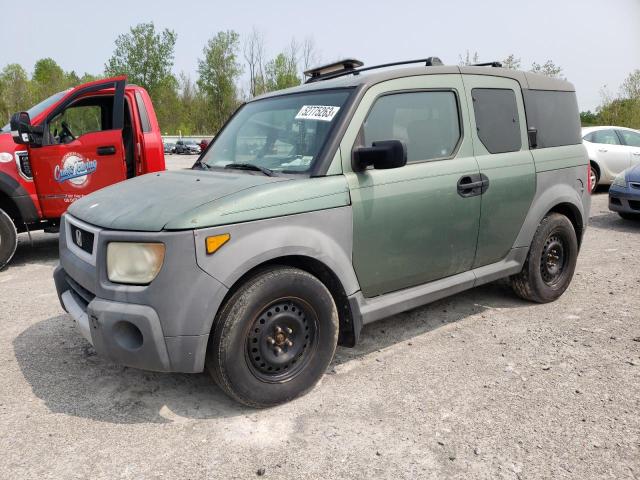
pixel 487 64
pixel 428 62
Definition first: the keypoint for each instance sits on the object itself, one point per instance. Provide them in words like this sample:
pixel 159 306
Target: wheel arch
pixel 348 332
pixel 572 212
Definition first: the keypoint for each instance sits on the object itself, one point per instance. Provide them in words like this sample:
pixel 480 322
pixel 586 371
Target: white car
pixel 611 150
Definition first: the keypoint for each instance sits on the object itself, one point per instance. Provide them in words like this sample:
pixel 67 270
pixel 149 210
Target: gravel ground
pixel 481 385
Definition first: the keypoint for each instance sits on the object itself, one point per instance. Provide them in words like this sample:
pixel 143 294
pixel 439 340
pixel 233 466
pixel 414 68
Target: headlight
pixel 134 263
pixel 6 157
pixel 620 180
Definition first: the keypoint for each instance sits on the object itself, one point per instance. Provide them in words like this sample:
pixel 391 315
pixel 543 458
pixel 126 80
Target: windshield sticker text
pixel 324 113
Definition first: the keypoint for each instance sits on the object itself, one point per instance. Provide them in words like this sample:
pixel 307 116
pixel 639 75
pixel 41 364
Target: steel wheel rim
pixel 282 340
pixel 553 259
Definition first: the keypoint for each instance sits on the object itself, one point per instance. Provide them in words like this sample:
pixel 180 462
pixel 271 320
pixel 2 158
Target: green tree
pixel 48 78
pixel 468 59
pixel 218 73
pixel 282 72
pixel 589 118
pixel 144 55
pixel 15 94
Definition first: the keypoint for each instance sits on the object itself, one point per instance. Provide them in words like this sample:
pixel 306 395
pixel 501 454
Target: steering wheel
pixel 66 131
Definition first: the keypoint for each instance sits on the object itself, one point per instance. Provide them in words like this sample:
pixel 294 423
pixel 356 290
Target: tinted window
pixel 497 119
pixel 555 116
pixel 427 122
pixel 630 138
pixel 142 111
pixel 588 137
pixel 607 137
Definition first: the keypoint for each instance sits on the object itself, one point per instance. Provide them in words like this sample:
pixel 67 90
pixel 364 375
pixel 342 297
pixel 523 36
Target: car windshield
pixel 282 134
pixel 40 107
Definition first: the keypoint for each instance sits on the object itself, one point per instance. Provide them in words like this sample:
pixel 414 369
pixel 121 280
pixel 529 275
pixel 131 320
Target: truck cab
pixel 68 146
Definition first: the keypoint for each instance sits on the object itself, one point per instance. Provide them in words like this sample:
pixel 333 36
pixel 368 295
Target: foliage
pixel 146 57
pixel 218 72
pixel 548 68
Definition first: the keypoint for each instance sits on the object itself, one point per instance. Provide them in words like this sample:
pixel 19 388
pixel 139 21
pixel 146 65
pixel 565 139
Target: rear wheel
pixel 8 238
pixel 629 216
pixel 274 338
pixel 550 263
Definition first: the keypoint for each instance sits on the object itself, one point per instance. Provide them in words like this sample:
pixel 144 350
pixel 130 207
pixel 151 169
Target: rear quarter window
pixel 555 116
pixel 497 120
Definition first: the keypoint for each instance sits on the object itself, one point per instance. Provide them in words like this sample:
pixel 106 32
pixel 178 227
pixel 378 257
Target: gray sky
pixel 597 42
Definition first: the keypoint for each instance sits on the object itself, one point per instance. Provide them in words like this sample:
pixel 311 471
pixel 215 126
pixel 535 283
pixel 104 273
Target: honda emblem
pixel 79 238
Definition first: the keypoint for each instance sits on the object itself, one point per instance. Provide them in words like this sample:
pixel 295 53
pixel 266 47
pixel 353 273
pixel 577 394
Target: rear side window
pixel 427 122
pixel 630 138
pixel 555 115
pixel 142 111
pixel 497 121
pixel 607 137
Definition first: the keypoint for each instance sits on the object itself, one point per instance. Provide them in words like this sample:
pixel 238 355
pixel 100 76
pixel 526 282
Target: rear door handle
pixel 108 150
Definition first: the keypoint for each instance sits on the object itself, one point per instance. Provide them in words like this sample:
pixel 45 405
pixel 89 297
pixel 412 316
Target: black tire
pixel 594 173
pixel 8 238
pixel 551 261
pixel 274 308
pixel 629 216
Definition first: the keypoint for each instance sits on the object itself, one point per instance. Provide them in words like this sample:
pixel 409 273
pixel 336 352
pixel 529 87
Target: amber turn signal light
pixel 214 243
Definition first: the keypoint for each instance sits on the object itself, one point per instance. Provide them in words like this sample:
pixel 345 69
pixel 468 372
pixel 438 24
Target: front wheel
pixel 551 261
pixel 274 339
pixel 8 238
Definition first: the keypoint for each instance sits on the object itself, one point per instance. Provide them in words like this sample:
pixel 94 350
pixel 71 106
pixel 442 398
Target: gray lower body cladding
pixel 163 326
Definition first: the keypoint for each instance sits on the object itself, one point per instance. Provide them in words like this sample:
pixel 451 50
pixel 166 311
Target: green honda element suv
pixel 363 193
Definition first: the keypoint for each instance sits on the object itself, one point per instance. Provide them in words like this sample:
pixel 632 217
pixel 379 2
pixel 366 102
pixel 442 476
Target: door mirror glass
pixel 21 128
pixel 381 155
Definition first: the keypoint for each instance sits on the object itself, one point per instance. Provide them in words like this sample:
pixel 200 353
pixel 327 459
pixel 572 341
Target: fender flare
pixel 19 198
pixel 559 194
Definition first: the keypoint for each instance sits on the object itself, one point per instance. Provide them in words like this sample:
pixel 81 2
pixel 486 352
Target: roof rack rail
pixel 349 67
pixel 487 64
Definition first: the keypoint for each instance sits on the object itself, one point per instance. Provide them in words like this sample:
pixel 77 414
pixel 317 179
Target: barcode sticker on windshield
pixel 323 113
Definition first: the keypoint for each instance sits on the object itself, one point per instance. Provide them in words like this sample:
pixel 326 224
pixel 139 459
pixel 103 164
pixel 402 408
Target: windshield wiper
pixel 201 164
pixel 250 166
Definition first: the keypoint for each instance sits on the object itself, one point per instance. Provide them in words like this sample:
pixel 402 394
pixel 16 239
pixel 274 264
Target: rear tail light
pixel 588 178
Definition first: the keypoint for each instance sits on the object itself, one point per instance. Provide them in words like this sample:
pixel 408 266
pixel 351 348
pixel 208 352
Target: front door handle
pixel 603 150
pixel 108 150
pixel 472 185
pixel 637 154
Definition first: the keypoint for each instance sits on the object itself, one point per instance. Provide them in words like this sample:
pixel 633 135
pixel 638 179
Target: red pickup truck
pixel 72 144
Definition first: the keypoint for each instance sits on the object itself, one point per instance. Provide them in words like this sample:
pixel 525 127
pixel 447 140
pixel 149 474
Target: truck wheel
pixel 550 263
pixel 274 339
pixel 8 238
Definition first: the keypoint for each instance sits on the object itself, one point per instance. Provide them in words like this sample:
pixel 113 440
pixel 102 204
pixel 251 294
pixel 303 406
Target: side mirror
pixel 532 133
pixel 382 155
pixel 21 128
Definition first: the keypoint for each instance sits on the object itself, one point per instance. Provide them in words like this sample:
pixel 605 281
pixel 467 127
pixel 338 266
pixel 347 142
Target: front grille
pixel 24 164
pixel 81 238
pixel 84 295
pixel 634 204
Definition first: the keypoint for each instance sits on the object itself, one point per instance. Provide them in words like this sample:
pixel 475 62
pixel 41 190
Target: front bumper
pixel 163 326
pixel 625 200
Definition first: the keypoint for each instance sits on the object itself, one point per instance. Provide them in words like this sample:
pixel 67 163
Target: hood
pixel 633 174
pixel 147 203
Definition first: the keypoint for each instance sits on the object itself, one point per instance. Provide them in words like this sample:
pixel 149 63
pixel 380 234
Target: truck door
pixel 82 149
